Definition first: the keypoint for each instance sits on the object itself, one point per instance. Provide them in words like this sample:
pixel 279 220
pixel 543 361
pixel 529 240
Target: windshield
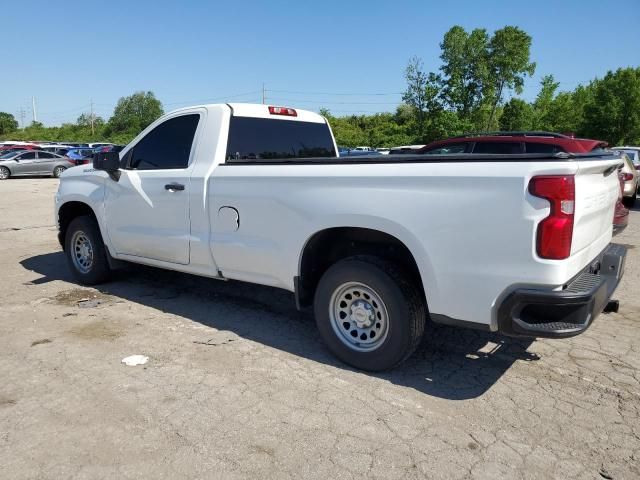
pixel 9 154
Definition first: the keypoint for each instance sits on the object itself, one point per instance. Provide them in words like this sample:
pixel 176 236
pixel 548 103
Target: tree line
pixel 131 115
pixel 476 88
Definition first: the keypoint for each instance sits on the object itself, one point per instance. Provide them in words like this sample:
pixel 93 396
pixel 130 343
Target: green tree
pixel 84 120
pixel 465 69
pixel 509 53
pixel 134 113
pixel 8 123
pixel 614 112
pixel 516 115
pixel 422 92
pixel 543 104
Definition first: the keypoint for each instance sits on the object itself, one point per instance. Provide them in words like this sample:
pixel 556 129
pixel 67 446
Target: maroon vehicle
pixel 526 142
pixel 7 146
pixel 512 142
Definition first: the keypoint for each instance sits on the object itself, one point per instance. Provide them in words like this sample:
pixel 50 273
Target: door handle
pixel 172 187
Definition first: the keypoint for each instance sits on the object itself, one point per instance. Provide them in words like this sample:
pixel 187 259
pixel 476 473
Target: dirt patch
pixel 40 342
pixel 99 330
pixel 76 296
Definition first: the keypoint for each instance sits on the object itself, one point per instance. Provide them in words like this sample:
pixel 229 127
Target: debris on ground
pixel 134 360
pixel 221 338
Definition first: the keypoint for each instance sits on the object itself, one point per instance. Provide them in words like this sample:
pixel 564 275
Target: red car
pixel 512 142
pixel 525 142
pixel 6 146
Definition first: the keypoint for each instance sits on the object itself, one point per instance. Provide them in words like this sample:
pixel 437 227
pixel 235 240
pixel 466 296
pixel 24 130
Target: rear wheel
pixel 58 171
pixel 4 173
pixel 369 314
pixel 85 251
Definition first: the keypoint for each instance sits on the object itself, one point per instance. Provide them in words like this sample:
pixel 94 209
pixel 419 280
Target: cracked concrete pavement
pixel 238 384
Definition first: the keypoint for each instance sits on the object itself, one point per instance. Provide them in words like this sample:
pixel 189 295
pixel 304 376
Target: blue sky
pixel 348 56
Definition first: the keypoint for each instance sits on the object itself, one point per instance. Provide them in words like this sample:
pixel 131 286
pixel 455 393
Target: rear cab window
pixel 252 138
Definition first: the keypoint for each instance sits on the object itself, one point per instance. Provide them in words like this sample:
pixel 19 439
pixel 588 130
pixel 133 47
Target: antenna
pixel 264 94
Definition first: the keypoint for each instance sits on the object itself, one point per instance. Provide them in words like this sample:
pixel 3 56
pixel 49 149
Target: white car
pixel 375 244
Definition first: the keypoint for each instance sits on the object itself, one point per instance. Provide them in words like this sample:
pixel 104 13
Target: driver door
pixel 25 164
pixel 147 208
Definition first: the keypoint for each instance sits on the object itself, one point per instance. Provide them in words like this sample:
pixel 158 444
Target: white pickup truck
pixel 513 243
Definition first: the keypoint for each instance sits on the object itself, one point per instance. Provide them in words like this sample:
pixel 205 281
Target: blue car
pixel 80 156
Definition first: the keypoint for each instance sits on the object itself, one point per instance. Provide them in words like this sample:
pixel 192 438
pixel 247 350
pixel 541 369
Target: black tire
pixel 401 298
pixel 99 270
pixel 5 173
pixel 57 172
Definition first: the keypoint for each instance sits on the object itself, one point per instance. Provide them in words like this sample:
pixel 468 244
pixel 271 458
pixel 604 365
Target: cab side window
pixel 167 146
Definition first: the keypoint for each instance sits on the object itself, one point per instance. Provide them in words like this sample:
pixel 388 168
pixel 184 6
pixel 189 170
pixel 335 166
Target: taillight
pixel 289 112
pixel 627 177
pixel 555 231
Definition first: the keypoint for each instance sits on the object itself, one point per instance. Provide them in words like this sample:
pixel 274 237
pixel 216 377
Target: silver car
pixel 32 162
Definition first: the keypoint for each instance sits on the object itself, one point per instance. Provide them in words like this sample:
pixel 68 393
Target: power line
pixel 359 94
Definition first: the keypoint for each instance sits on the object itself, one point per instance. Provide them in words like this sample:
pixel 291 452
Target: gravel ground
pixel 238 384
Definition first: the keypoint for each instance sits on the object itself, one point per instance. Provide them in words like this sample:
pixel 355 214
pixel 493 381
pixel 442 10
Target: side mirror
pixel 107 161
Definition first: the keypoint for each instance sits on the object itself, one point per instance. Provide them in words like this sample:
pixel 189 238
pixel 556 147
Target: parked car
pixel 20 146
pixel 108 148
pixel 630 179
pixel 383 150
pixel 348 152
pixel 32 162
pixel 256 193
pixel 621 213
pixel 405 149
pixel 633 153
pixel 59 149
pixel 96 145
pixel 80 156
pixel 512 143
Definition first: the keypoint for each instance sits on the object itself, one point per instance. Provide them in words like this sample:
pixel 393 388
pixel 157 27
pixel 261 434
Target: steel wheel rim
pixel 358 316
pixel 81 252
pixel 58 171
pixel 4 173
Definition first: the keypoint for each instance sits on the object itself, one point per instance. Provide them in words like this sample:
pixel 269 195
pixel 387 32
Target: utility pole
pixel 33 109
pixel 92 130
pixel 264 95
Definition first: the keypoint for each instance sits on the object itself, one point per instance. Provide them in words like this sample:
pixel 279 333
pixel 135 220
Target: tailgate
pixel 597 189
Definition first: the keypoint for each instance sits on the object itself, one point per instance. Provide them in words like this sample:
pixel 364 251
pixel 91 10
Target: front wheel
pixel 4 173
pixel 85 251
pixel 369 314
pixel 58 171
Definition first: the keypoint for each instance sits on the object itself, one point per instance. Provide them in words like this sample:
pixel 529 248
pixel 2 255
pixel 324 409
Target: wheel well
pixel 331 245
pixel 67 213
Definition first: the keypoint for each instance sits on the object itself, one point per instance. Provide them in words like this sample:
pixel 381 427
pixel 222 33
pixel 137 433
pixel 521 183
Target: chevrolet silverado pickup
pixel 514 243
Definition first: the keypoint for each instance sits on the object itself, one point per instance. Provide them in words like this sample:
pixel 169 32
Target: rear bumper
pixel 529 312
